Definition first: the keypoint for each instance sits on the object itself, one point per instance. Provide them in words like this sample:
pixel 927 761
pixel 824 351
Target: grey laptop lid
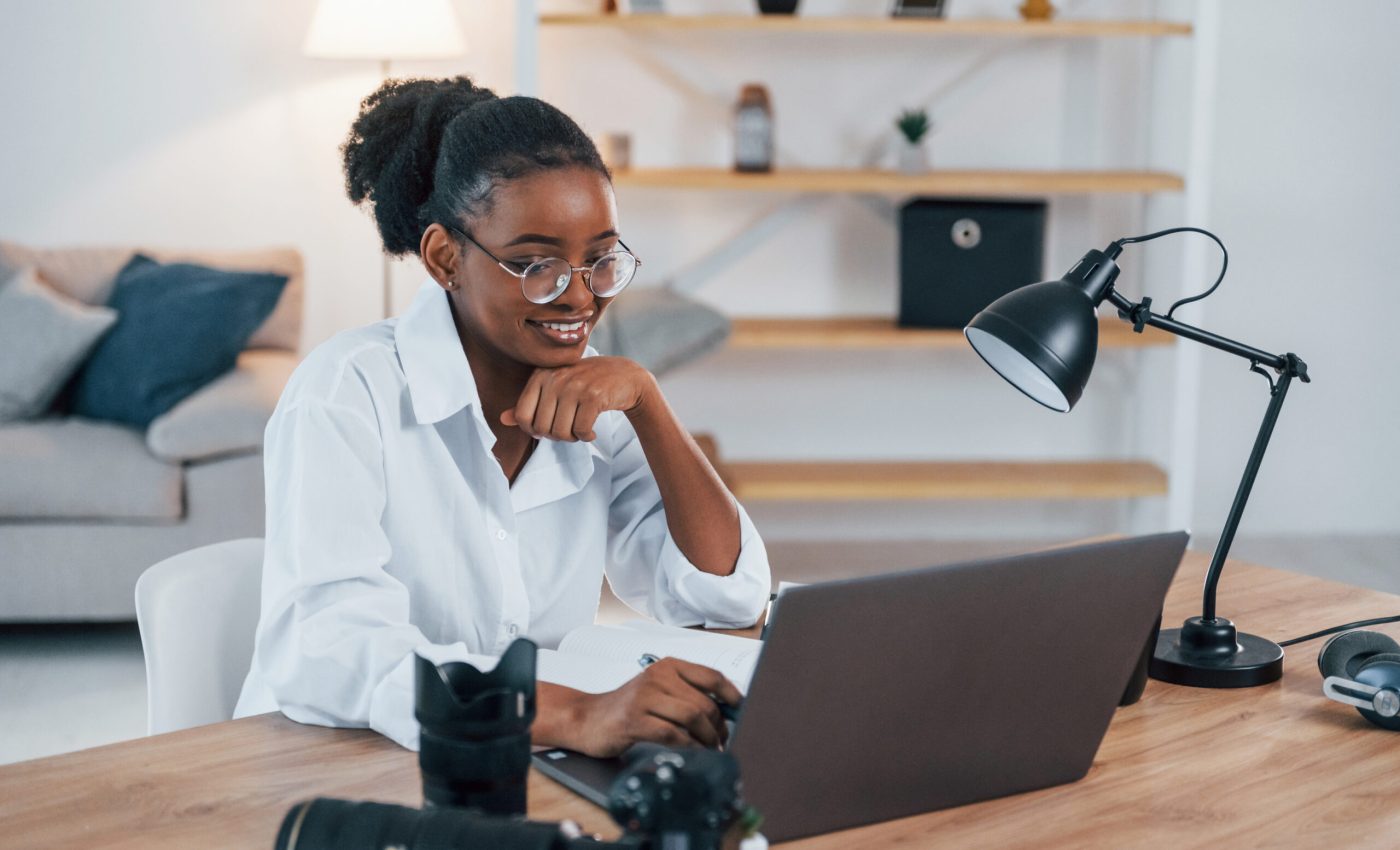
pixel 887 696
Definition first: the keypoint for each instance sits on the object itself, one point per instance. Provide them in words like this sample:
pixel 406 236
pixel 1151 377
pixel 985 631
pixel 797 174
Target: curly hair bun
pixel 433 150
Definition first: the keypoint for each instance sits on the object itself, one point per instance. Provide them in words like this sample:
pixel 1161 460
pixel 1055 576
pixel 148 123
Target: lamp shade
pixel 384 30
pixel 1042 338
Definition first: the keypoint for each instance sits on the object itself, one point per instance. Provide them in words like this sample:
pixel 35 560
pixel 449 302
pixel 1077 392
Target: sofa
pixel 86 506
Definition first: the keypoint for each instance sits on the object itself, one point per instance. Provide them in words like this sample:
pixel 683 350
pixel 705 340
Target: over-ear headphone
pixel 1362 668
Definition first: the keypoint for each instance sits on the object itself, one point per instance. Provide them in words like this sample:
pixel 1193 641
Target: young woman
pixel 465 474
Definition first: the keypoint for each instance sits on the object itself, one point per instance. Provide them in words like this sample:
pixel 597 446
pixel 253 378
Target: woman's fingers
pixel 696 713
pixel 709 681
pixel 564 403
pixel 543 424
pixel 662 731
pixel 562 426
pixel 524 413
pixel 585 418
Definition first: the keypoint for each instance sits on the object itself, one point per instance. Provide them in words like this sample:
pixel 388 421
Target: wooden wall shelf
pixel 986 183
pixel 878 332
pixel 1008 28
pixel 843 481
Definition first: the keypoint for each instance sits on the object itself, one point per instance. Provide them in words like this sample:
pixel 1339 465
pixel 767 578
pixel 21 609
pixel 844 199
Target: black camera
pixel 665 800
pixel 474 755
pixel 326 824
pixel 672 798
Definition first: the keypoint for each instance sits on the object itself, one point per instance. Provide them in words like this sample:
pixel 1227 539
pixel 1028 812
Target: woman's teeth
pixel 567 331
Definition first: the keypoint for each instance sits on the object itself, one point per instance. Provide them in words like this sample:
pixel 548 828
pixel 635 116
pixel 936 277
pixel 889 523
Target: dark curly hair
pixel 425 151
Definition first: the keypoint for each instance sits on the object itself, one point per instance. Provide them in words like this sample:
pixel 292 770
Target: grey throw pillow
pixel 659 329
pixel 44 337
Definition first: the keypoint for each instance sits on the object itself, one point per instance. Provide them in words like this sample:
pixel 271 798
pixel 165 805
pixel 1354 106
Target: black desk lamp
pixel 1043 338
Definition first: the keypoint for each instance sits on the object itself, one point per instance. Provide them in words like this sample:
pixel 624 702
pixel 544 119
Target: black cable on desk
pixel 1325 632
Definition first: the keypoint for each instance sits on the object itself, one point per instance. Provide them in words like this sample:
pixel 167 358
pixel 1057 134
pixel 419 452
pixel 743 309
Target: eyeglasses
pixel 545 280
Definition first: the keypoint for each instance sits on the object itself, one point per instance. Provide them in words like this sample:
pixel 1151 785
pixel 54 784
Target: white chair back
pixel 197 612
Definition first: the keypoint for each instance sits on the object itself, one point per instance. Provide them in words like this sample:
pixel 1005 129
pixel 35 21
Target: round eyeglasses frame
pixel 587 270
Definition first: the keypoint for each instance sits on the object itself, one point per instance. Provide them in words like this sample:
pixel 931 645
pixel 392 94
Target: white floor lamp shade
pixel 384 30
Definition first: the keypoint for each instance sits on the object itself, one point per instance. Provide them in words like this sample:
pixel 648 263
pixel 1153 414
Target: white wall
pixel 197 124
pixel 1307 196
pixel 201 124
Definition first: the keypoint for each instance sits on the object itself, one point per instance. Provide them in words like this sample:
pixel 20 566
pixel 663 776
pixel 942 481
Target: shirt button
pixel 501 534
pixel 513 630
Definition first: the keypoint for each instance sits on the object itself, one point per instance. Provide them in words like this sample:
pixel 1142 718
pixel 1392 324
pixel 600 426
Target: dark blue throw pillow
pixel 179 326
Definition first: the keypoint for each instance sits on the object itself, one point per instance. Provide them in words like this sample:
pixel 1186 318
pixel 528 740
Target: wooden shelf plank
pixel 754 481
pixel 939 182
pixel 878 332
pixel 997 27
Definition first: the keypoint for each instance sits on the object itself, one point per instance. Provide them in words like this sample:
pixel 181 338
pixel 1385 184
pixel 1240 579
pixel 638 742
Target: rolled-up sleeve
pixel 335 644
pixel 648 571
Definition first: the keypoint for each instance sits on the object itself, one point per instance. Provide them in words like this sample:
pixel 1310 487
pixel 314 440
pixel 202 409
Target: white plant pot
pixel 913 159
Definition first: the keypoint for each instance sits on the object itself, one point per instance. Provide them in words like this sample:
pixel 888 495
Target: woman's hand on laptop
pixel 668 703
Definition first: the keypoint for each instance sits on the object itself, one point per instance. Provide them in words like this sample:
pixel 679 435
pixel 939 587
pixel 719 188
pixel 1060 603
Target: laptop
pixel 892 695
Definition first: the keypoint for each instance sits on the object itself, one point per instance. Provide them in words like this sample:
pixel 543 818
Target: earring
pixel 451 284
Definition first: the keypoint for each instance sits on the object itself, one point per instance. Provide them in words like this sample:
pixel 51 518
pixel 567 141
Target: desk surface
pixel 1276 765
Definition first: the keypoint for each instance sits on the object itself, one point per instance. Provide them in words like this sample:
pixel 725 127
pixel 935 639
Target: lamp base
pixel 1212 654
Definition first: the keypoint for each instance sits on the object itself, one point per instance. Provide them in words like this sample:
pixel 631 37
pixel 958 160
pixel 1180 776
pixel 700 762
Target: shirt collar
pixel 440 381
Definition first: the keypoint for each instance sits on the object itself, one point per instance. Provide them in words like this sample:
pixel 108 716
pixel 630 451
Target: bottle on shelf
pixel 753 130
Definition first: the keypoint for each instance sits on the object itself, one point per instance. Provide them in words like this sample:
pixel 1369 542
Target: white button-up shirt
pixel 392 529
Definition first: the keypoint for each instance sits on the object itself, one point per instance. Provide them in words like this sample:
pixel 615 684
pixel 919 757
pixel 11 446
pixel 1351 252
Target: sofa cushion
pixel 62 469
pixel 179 326
pixel 88 275
pixel 44 337
pixel 226 417
pixel 660 329
pixel 282 327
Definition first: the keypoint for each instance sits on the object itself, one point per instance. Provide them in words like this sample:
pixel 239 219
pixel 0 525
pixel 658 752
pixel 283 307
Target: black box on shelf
pixel 956 257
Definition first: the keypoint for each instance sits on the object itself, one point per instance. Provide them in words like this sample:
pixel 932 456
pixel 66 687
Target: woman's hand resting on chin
pixel 564 403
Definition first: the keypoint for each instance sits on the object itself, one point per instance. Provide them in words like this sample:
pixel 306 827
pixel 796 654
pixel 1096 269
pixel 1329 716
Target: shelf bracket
pixel 720 103
pixel 743 242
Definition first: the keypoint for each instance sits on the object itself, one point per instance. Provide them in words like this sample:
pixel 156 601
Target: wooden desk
pixel 1276 766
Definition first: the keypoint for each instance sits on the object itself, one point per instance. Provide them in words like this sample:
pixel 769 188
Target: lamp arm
pixel 1288 366
pixel 1141 315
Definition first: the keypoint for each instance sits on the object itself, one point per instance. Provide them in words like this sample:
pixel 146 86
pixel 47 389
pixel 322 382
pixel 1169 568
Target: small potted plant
pixel 913 126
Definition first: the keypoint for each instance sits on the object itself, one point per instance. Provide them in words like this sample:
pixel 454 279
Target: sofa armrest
pixel 227 416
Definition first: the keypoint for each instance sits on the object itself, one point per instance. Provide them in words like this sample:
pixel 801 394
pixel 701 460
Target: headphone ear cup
pixel 1344 654
pixel 1381 670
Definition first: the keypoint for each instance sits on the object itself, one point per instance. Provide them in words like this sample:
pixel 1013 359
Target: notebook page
pixel 734 657
pixel 587 673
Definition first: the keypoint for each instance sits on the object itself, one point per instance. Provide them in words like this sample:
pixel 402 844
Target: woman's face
pixel 568 213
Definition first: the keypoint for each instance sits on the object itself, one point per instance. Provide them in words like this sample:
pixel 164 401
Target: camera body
pixel 666 800
pixel 670 794
pixel 474 755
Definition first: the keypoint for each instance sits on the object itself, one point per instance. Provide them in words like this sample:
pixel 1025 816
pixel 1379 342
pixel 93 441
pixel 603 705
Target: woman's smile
pixel 566 331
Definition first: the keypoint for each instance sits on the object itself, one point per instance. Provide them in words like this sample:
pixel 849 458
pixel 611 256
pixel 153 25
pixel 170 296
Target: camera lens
pixel 474 740
pixel 325 824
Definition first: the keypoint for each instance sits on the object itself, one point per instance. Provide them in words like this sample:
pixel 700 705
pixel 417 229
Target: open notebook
pixel 601 658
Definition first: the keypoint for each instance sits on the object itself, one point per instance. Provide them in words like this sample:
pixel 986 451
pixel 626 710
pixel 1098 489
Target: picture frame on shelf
pixel 573 7
pixel 918 8
pixel 641 7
